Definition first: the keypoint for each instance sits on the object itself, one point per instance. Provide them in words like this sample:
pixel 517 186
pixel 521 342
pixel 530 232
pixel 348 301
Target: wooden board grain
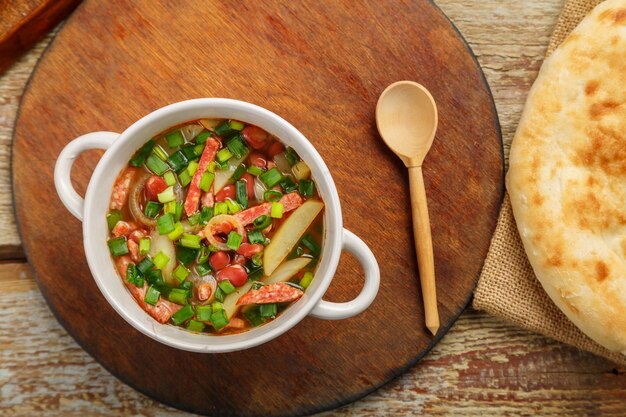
pixel 322 69
pixel 24 22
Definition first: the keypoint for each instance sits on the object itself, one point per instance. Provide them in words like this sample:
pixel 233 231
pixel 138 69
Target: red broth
pixel 215 226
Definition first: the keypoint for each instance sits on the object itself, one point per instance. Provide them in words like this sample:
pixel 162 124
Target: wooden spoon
pixel 406 116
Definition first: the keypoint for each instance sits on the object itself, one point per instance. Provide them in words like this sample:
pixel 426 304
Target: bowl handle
pixel 336 311
pixel 63 168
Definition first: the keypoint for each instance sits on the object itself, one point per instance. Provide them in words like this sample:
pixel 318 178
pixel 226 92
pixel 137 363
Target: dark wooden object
pixel 321 65
pixel 24 22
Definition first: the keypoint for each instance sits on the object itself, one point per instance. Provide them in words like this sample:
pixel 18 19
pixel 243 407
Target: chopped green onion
pixel 308 241
pixel 234 240
pixel 165 224
pixel 223 128
pixel 268 310
pixel 178 296
pixel 306 280
pixel 224 155
pixel 170 178
pixel 255 236
pixel 194 219
pixel 160 153
pixel 262 222
pixel 211 167
pixel 206 181
pixel 145 265
pixel 132 274
pixel 152 209
pixel 174 139
pixel 219 319
pixel 237 147
pixel 255 170
pixel 184 178
pixel 219 294
pixel 242 193
pixel 192 167
pixel 233 207
pixel 236 125
pixel 155 165
pixel 254 316
pixel 167 195
pixel 205 215
pixel 113 217
pixel 186 255
pixel 142 154
pixel 203 136
pixel 155 277
pixel 160 260
pixel 271 177
pixel 257 259
pixel 288 184
pixel 306 188
pixel 144 246
pixel 239 171
pixel 277 210
pixel 190 241
pixel 226 286
pixel 198 149
pixel 205 252
pixel 183 315
pixel 272 195
pixel 203 269
pixel 217 306
pixel 291 156
pixel 220 208
pixel 190 153
pixel 178 161
pixel 181 273
pixel 118 246
pixel 221 165
pixel 178 230
pixel 257 285
pixel 174 209
pixel 195 326
pixel 203 313
pixel 152 295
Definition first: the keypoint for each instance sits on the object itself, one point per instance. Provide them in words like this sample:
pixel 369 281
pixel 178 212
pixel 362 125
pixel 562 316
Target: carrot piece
pixel 193 195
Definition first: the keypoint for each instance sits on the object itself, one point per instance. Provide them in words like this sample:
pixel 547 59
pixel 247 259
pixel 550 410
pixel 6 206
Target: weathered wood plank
pixel 482 367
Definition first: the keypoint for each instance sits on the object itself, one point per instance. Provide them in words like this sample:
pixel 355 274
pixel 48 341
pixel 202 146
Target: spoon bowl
pixel 406 116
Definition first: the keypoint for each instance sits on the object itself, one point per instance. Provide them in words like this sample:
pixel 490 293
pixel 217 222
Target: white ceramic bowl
pixel 92 212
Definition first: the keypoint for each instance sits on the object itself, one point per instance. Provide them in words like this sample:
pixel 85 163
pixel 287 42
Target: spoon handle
pixel 424 247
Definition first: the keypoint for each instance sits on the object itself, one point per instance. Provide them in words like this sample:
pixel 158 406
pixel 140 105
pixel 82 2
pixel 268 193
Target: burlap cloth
pixel 507 287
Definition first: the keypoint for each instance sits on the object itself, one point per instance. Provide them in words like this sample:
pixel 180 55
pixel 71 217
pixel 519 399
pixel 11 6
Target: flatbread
pixel 567 176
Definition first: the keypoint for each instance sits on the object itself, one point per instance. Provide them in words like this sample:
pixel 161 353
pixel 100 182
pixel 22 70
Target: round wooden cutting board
pixel 321 65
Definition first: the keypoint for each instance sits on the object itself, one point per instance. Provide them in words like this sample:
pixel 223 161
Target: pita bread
pixel 567 176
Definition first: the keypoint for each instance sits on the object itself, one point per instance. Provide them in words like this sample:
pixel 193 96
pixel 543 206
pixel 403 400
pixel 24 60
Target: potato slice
pixel 282 274
pixel 289 234
pixel 301 171
pixel 230 301
pixel 286 270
